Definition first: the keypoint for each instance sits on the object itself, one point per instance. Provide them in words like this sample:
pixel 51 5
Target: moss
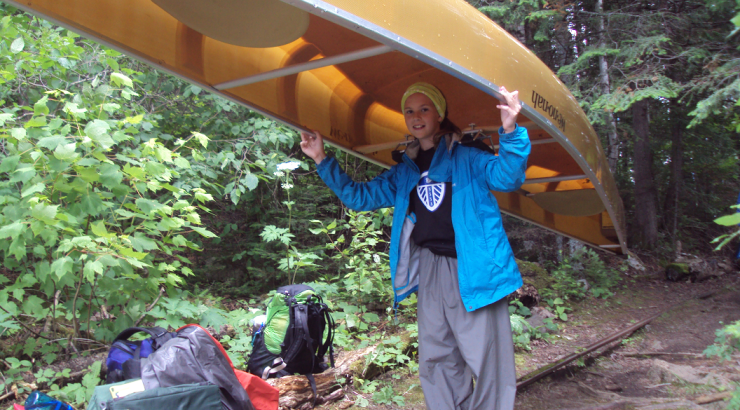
pixel 535 275
pixel 683 268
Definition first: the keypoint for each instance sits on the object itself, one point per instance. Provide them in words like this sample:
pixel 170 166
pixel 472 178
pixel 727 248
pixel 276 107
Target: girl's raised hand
pixel 312 144
pixel 510 110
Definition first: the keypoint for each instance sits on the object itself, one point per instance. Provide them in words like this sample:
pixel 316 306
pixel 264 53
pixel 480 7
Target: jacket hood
pixel 412 149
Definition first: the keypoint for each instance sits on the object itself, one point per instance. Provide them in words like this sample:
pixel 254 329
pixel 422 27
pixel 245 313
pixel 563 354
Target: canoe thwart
pixel 246 23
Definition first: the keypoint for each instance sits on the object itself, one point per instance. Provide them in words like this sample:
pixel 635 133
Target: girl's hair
pixel 446 127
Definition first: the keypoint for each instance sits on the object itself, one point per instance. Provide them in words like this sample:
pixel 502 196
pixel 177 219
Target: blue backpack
pixel 124 356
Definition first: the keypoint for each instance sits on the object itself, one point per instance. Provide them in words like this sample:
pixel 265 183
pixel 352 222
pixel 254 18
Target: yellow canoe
pixel 341 66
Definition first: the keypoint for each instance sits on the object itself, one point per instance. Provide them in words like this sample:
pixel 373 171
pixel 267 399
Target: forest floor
pixel 659 366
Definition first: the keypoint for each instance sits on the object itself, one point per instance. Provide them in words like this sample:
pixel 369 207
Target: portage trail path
pixel 659 366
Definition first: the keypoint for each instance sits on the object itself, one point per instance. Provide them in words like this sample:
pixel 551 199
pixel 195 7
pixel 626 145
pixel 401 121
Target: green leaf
pixel 728 220
pixel 35 122
pixel 91 203
pixel 66 152
pixel 33 189
pixel 163 154
pixel 97 130
pixel 201 138
pixel 204 232
pixel 119 79
pixel 18 133
pixel 18 248
pixel 181 162
pixel 17 45
pixel 51 142
pixel 135 120
pixel 202 196
pixel 61 267
pixel 141 243
pixel 736 20
pixel 131 253
pixel 110 175
pixel 9 164
pixel 251 181
pixel 40 107
pixel 88 174
pixel 74 109
pixel 5 117
pixel 12 231
pixel 98 228
pixel 91 268
pixel 111 107
pixel 147 206
pixel 370 317
pixel 112 64
pixel 33 306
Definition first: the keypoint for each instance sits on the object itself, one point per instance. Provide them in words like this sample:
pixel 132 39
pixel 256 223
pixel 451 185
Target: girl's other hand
pixel 510 110
pixel 312 144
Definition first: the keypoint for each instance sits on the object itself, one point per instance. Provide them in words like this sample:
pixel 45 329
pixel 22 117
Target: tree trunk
pixel 612 146
pixel 645 195
pixel 671 208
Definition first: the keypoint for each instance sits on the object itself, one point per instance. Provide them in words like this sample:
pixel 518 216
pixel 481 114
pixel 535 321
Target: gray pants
pixel 457 346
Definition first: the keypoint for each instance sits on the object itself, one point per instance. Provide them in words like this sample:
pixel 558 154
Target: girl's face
pixel 421 117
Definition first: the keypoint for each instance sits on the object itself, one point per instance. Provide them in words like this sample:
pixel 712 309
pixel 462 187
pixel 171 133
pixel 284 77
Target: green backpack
pixel 297 334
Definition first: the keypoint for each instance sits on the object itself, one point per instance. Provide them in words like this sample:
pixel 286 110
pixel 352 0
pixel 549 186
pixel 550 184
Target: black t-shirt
pixel 432 203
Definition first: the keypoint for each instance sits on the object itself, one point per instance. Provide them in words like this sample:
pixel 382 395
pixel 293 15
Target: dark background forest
pixel 128 196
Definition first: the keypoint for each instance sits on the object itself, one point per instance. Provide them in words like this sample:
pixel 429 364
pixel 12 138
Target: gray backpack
pixel 194 356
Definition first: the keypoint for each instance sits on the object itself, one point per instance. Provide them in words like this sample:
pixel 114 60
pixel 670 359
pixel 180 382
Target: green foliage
pixel 78 394
pixel 558 306
pixel 13 374
pixel 727 220
pixel 583 272
pixel 364 266
pixel 726 342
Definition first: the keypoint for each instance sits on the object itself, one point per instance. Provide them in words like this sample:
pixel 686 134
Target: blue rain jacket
pixel 487 270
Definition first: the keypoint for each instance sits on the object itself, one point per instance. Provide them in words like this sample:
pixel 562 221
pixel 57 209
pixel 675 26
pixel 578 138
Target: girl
pixel 448 243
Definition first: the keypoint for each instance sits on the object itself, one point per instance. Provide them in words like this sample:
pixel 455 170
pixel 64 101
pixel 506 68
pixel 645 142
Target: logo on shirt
pixel 430 192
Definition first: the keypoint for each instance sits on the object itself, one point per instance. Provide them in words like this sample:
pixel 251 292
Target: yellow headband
pixel 430 91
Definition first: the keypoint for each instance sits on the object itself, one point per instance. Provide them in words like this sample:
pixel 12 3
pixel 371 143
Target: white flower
pixel 279 174
pixel 287 186
pixel 376 258
pixel 288 165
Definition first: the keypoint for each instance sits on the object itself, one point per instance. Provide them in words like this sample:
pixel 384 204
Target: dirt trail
pixel 658 367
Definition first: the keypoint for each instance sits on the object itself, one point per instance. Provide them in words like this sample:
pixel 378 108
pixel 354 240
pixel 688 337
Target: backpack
pixel 194 356
pixel 201 396
pixel 124 357
pixel 189 355
pixel 292 338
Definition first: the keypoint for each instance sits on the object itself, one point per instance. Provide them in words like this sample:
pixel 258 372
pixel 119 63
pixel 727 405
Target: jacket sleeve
pixel 505 172
pixel 359 196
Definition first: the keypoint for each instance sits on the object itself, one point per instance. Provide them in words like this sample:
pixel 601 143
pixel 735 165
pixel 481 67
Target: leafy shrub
pixel 583 272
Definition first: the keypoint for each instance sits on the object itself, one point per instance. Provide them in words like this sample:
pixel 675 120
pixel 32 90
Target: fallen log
pixel 349 366
pixel 711 398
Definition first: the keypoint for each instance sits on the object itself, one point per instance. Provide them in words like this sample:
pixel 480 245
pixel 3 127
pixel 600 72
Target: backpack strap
pixel 329 342
pixel 299 318
pixel 277 365
pixel 312 382
pixel 158 334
